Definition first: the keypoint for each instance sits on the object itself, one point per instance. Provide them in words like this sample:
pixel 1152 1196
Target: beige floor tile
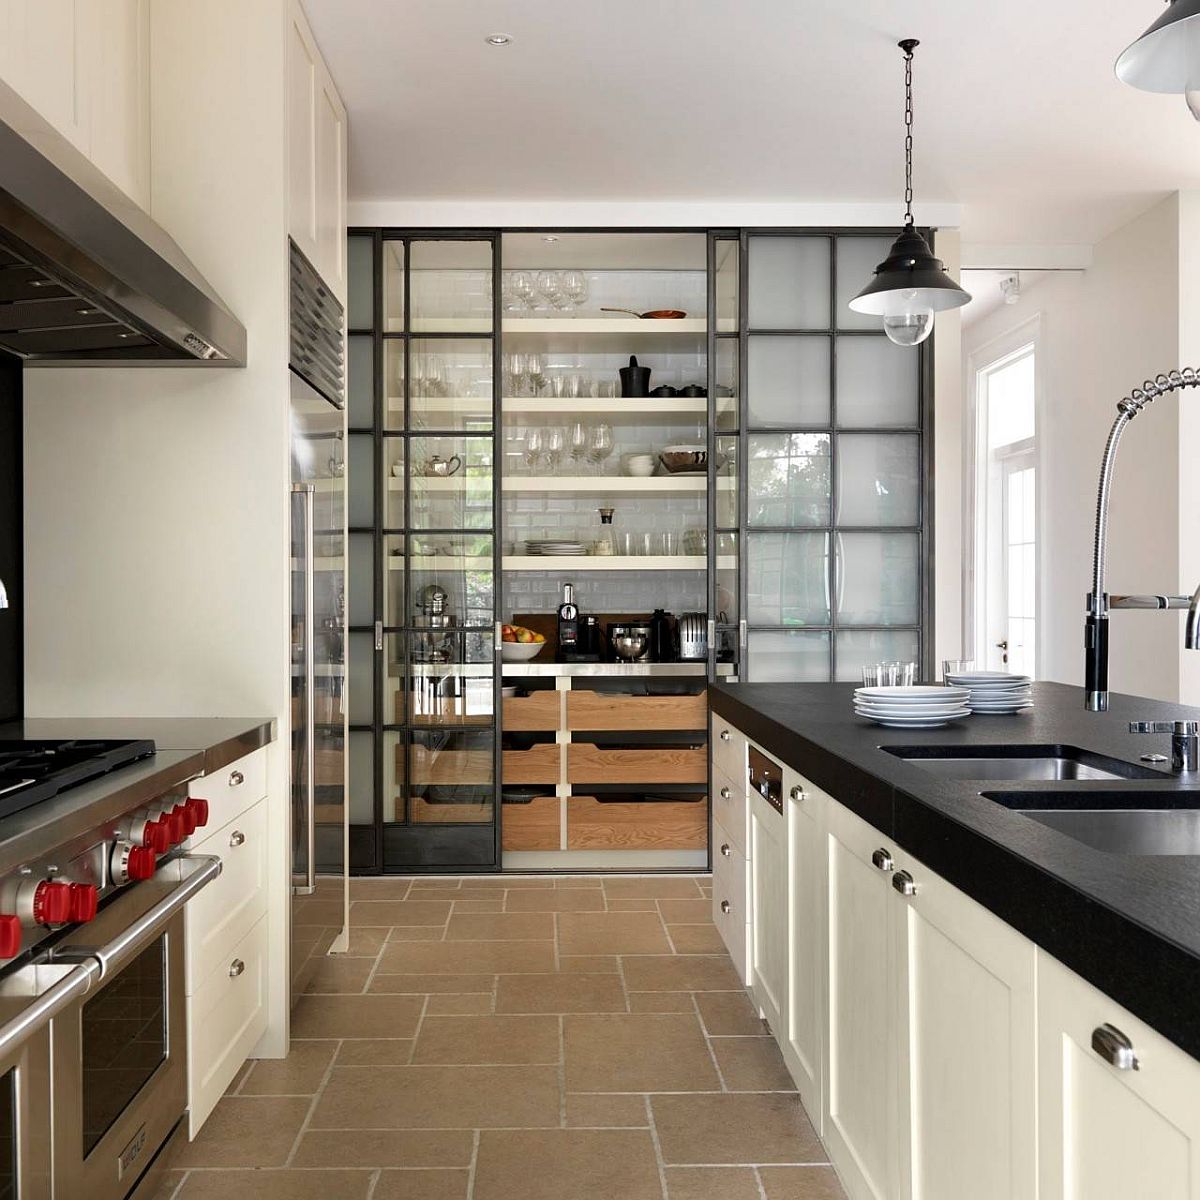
pixel 369 1052
pixel 419 984
pixel 417 933
pixel 465 1004
pixel 366 942
pixel 372 888
pixel 341 975
pixel 399 912
pixel 801 1183
pixel 355 1016
pixel 560 993
pixel 434 883
pixel 611 933
pixel 588 964
pixel 421 1185
pixel 458 958
pixel 235 1084
pixel 599 1111
pixel 752 1064
pixel 681 973
pixel 480 906
pixel 578 881
pixel 597 1164
pixel 686 912
pixel 500 927
pixel 729 1014
pixel 460 895
pixel 300 1074
pixel 246 1131
pixel 734 1129
pixel 661 1002
pixel 168 1186
pixel 712 1183
pixel 386 1148
pixel 630 904
pixel 437 1097
pixel 655 887
pixel 695 939
pixel 513 881
pixel 311 911
pixel 479 1040
pixel 275 1185
pixel 559 900
pixel 639 1052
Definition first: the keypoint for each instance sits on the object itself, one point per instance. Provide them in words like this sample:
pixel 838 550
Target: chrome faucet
pixel 1099 603
pixel 1185 741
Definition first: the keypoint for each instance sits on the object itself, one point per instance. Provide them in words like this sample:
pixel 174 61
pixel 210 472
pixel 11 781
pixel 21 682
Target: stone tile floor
pixel 496 1038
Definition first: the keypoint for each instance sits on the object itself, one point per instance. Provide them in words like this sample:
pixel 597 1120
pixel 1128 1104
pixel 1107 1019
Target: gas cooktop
pixel 33 771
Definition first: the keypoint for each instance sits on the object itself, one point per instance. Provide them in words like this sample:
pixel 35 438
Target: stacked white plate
pixel 924 706
pixel 567 549
pixel 995 691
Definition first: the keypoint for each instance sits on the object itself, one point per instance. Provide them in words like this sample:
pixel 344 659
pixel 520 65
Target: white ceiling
pixel 1018 114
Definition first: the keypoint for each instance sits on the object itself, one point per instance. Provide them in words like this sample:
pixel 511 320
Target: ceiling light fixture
pixel 1010 288
pixel 498 39
pixel 549 237
pixel 1166 58
pixel 910 285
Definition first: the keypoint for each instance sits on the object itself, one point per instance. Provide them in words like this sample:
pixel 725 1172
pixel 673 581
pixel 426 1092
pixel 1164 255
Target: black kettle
pixel 635 380
pixel 662 637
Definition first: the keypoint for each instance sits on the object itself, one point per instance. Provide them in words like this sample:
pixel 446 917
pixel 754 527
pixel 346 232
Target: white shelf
pixel 602 562
pixel 621 335
pixel 624 485
pixel 668 407
pixel 625 326
pixel 440 562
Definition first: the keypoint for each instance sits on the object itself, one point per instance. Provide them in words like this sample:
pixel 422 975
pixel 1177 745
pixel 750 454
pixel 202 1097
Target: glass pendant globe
pixel 909 328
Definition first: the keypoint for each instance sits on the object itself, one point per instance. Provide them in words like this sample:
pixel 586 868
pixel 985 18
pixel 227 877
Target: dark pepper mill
pixel 635 380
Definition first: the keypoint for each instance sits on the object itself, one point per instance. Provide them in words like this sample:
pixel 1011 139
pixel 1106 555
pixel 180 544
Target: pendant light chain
pixel 908 140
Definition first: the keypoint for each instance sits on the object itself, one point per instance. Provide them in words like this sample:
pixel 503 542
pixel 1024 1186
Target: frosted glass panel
pixel 877 382
pixel 787 578
pixel 788 381
pixel 361 290
pixel 878 479
pixel 858 648
pixel 783 656
pixel 362 679
pixel 361 383
pixel 789 479
pixel 362 579
pixel 727 482
pixel 877 578
pixel 726 406
pixel 789 283
pixel 727 578
pixel 362 778
pixel 857 258
pixel 727 285
pixel 361 480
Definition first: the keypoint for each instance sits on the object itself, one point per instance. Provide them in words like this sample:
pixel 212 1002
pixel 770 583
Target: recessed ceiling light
pixel 498 39
pixel 550 237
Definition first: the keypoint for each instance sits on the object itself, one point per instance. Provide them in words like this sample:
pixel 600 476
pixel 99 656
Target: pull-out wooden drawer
pixel 603 710
pixel 538 764
pixel 531 824
pixel 232 789
pixel 587 763
pixel 597 824
pixel 450 767
pixel 539 711
pixel 423 811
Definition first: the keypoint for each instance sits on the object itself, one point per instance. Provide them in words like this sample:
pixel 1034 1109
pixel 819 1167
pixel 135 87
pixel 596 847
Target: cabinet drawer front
pixel 599 764
pixel 221 915
pixel 730 807
pixel 226 1017
pixel 728 748
pixel 601 710
pixel 538 764
pixel 537 712
pixel 593 824
pixel 536 825
pixel 232 789
pixel 729 889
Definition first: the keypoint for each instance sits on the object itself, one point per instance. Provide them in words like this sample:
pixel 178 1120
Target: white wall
pixel 1103 331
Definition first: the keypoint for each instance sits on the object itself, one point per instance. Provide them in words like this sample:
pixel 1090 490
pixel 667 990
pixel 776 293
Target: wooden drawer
pixel 594 824
pixel 232 789
pixel 730 808
pixel 225 911
pixel 532 825
pixel 728 748
pixel 226 1017
pixel 601 764
pixel 730 888
pixel 449 767
pixel 601 710
pixel 422 812
pixel 538 764
pixel 538 711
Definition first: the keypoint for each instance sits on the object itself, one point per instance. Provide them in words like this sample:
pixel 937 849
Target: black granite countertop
pixel 1128 924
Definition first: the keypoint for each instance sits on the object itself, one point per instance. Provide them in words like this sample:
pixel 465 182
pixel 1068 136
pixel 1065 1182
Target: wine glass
pixel 549 286
pixel 553 445
pixel 574 287
pixel 535 446
pixel 514 369
pixel 519 291
pixel 536 372
pixel 600 444
pixel 579 442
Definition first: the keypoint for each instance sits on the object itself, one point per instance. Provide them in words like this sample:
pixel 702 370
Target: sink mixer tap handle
pixel 1185 740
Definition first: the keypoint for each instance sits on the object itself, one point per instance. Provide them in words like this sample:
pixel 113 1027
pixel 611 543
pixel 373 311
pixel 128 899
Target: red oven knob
pixel 199 810
pixel 131 863
pixel 187 819
pixel 51 903
pixel 84 898
pixel 156 836
pixel 10 935
pixel 174 826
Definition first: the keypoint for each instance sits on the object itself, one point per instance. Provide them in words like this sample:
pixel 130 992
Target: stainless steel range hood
pixel 86 277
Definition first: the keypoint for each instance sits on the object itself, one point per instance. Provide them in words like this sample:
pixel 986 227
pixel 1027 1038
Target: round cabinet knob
pixel 84 899
pixel 236 968
pixel 726 794
pixel 725 849
pixel 725 735
pixel 237 838
pixel 236 779
pixel 726 906
pixel 199 810
pixel 10 935
pixel 799 794
pixel 52 903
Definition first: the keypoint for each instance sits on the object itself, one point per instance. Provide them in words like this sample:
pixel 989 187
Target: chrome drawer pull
pixel 236 968
pixel 726 906
pixel 1114 1047
pixel 726 794
pixel 724 735
pixel 236 779
pixel 799 794
pixel 902 881
pixel 725 849
pixel 237 838
pixel 882 859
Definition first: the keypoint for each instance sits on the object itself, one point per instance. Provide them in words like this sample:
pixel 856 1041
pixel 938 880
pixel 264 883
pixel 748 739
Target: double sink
pixel 1108 818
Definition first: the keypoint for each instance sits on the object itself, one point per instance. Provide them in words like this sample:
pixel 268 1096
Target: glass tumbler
pixel 955 666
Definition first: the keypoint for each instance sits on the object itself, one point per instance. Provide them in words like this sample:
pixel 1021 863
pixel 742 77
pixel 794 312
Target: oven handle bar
pixel 50 1003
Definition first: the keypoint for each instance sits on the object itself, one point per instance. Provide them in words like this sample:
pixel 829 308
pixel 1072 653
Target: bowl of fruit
pixel 519 644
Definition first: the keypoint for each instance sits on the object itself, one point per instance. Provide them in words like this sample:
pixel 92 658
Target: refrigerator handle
pixel 308 492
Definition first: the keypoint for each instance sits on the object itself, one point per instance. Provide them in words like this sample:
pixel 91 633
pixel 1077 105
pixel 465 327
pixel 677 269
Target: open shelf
pixel 619 335
pixel 440 562
pixel 623 485
pixel 605 562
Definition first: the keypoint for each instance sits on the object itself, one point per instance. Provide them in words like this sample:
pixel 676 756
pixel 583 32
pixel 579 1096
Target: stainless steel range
pixel 93 883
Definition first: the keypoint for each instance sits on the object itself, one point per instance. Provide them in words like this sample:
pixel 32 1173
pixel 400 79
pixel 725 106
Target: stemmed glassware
pixel 549 286
pixel 535 444
pixel 554 444
pixel 574 287
pixel 580 440
pixel 535 371
pixel 518 291
pixel 600 444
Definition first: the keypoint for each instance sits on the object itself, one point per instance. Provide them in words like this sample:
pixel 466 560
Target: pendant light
pixel 910 285
pixel 1166 58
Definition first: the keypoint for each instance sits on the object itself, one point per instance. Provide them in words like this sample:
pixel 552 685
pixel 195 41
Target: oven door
pixel 120 1054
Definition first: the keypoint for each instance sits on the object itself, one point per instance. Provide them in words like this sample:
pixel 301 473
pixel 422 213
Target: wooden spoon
pixel 656 314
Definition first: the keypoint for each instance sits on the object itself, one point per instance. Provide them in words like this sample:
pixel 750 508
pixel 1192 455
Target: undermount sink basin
pixel 1018 762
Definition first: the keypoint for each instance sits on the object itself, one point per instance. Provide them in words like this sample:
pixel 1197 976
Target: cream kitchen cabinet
pixel 316 157
pixel 769 933
pixel 1127 1129
pixel 731 897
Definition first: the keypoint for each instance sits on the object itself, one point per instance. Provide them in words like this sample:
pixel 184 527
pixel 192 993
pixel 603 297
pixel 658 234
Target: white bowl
pixel 520 651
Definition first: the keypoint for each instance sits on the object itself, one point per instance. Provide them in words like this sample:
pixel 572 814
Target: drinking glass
pixel 627 543
pixel 955 666
pixel 579 442
pixel 575 386
pixel 553 445
pixel 514 370
pixel 518 291
pixel 872 675
pixel 549 286
pixel 535 447
pixel 600 444
pixel 558 386
pixel 670 542
pixel 898 674
pixel 606 389
pixel 574 286
pixel 535 371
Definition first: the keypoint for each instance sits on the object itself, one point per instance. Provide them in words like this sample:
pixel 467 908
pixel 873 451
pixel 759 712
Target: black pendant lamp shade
pixel 1166 58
